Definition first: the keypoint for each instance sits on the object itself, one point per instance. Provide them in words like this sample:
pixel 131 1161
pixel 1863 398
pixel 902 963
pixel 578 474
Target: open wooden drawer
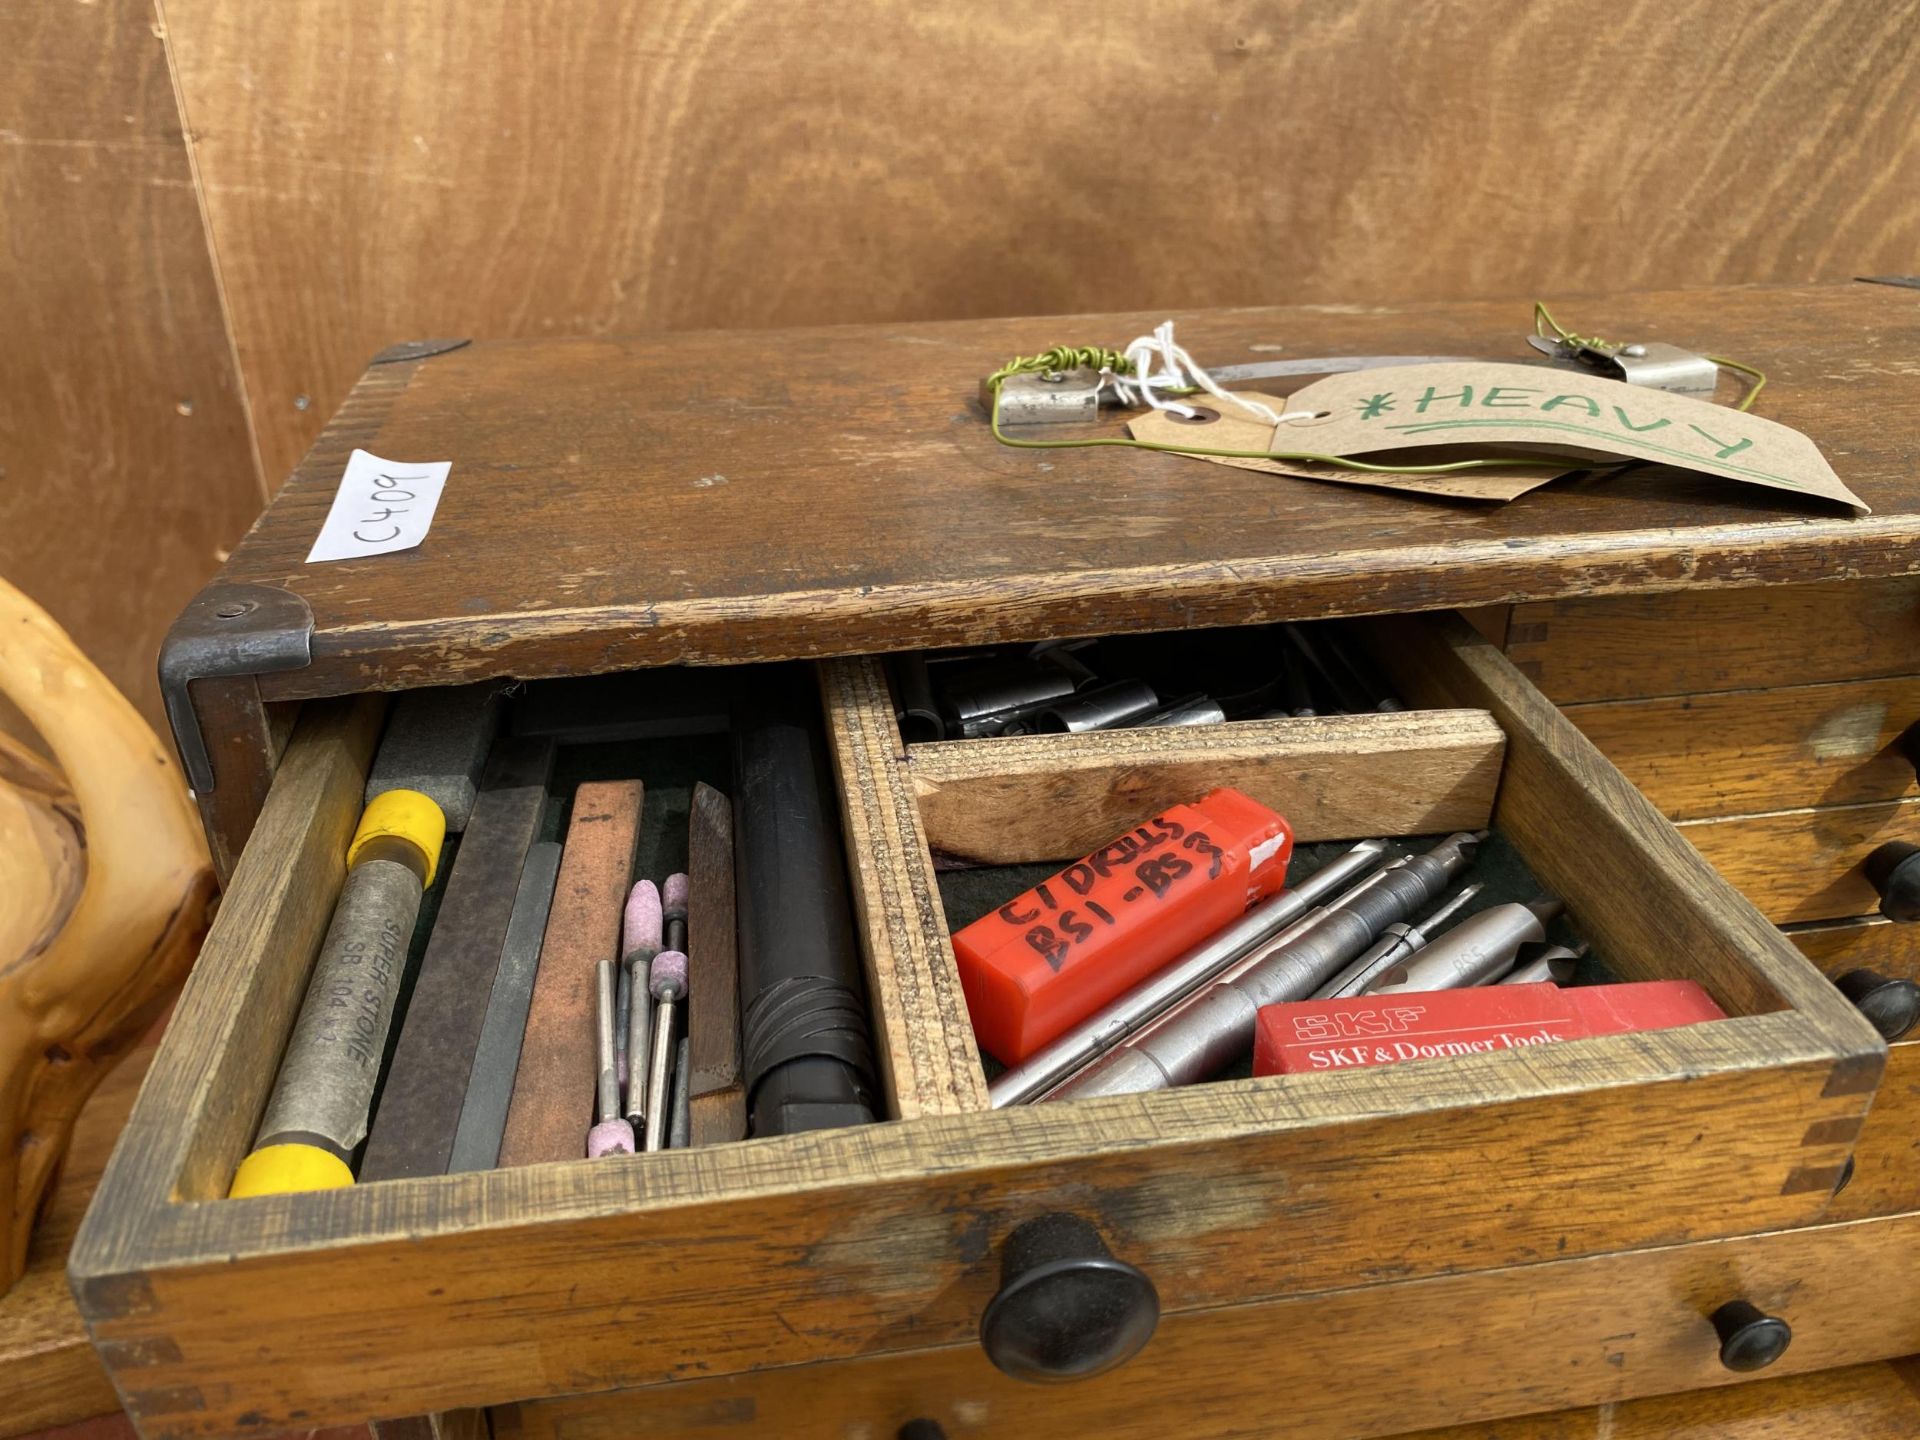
pixel 219 1316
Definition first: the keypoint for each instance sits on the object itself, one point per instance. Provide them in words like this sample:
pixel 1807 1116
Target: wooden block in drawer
pixel 1056 797
pixel 1804 864
pixel 1344 1366
pixel 1628 646
pixel 1743 752
pixel 1886 1177
pixel 435 1293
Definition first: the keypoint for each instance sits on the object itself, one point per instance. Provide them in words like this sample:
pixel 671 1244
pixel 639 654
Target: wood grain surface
pixel 1860 1402
pixel 1805 864
pixel 1886 1178
pixel 849 498
pixel 48 1371
pixel 277 909
pixel 476 169
pixel 1435 1352
pixel 126 468
pixel 1593 839
pixel 1628 647
pixel 1053 797
pixel 1838 946
pixel 527 1282
pixel 929 1064
pixel 1886 1159
pixel 1740 752
pixel 517 1283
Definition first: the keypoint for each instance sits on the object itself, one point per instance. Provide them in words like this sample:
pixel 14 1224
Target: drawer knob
pixel 1066 1309
pixel 1894 869
pixel 1750 1339
pixel 1892 1005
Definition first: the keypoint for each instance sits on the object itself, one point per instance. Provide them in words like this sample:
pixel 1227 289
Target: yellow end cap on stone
pixel 285 1169
pixel 406 815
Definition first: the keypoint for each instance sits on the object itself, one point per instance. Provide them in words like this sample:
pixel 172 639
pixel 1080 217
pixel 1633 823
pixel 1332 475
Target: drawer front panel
pixel 1886 1179
pixel 425 1294
pixel 1747 752
pixel 1804 864
pixel 1361 1363
pixel 1629 647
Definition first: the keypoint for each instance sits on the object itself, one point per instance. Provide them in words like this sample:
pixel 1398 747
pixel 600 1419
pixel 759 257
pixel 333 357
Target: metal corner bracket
pixel 227 630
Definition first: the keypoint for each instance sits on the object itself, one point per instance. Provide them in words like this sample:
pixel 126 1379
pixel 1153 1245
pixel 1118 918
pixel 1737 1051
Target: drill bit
pixel 1552 966
pixel 1477 951
pixel 1120 1018
pixel 640 941
pixel 1395 944
pixel 667 983
pixel 1215 1026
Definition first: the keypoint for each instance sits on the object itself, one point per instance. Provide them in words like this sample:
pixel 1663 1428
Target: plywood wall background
pixel 125 463
pixel 377 170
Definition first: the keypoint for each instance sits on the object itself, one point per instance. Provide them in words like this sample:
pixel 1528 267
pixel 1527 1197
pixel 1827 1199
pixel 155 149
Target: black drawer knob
pixel 1750 1339
pixel 1894 869
pixel 1908 744
pixel 1892 1005
pixel 921 1430
pixel 1066 1309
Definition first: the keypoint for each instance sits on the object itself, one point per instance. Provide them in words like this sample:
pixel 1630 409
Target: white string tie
pixel 1161 363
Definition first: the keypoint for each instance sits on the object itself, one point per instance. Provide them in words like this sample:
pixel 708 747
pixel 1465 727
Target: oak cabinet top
pixel 731 496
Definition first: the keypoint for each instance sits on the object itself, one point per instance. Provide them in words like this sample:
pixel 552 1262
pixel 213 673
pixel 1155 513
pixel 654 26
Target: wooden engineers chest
pixel 1337 1255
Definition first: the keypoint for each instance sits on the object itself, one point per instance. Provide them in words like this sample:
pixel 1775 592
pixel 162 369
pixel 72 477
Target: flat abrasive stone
pixel 436 742
pixel 553 1089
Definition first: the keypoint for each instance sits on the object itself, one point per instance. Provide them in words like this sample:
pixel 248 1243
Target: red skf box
pixel 1310 1035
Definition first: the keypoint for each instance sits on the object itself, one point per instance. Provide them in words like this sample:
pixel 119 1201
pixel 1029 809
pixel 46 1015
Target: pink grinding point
pixel 641 930
pixel 674 896
pixel 667 980
pixel 610 1137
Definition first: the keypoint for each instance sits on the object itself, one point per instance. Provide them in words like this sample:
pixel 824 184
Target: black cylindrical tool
pixel 806 1054
pixel 918 711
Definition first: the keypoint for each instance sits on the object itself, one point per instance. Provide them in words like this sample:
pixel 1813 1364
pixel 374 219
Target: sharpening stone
pixel 435 742
pixel 718 1108
pixel 427 1080
pixel 483 1114
pixel 553 1089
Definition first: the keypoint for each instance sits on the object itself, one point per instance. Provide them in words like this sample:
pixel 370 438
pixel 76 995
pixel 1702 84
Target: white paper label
pixel 381 506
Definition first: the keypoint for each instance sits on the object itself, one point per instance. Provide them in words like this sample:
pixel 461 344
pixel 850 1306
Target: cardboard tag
pixel 1238 430
pixel 1523 406
pixel 381 506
